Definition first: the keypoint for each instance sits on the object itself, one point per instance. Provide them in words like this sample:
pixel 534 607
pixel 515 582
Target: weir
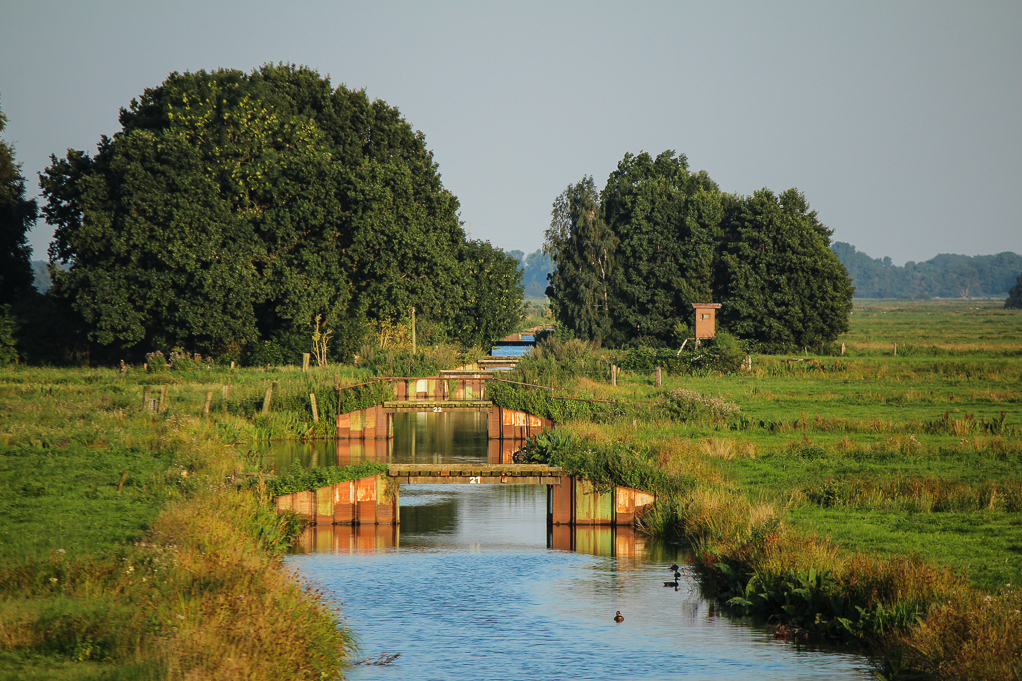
pixel 571 500
pixel 450 391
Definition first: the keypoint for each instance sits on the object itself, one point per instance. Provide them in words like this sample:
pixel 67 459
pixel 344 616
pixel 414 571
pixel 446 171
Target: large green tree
pixel 582 246
pixel 631 261
pixel 779 282
pixel 666 222
pixel 233 208
pixel 493 288
pixel 17 216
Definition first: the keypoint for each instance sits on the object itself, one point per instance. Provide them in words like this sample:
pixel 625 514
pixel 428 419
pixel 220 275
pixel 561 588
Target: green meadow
pixel 869 489
pixel 127 550
pixel 870 495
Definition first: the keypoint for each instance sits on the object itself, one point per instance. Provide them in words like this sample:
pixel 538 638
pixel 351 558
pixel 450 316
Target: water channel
pixel 472 585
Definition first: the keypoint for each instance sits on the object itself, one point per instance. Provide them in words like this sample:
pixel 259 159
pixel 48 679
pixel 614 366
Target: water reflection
pixel 424 437
pixel 441 519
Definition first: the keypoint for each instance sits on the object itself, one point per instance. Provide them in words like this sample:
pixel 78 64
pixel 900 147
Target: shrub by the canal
pixel 308 479
pixel 607 463
pixel 724 354
pixel 543 403
pixel 428 361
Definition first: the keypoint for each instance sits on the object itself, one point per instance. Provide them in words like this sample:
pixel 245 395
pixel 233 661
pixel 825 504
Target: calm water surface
pixel 472 586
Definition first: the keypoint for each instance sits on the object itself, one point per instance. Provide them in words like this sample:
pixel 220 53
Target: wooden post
pixel 315 409
pixel 895 349
pixel 163 397
pixel 842 349
pixel 266 400
pixel 613 375
pixel 227 391
pixel 748 362
pixel 145 398
pixel 659 379
pixel 305 361
pixel 232 366
pixel 413 330
pixel 209 399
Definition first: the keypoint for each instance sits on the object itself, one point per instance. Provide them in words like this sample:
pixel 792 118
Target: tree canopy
pixel 17 216
pixel 582 246
pixel 1014 301
pixel 631 261
pixel 779 283
pixel 231 209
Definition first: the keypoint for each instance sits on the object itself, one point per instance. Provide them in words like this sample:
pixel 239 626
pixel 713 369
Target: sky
pixel 901 122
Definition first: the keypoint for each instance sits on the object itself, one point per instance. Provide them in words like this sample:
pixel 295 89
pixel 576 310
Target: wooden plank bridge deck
pixel 394 406
pixel 475 473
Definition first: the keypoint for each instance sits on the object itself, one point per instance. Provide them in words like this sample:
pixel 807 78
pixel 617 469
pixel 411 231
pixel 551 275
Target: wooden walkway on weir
pixel 400 406
pixel 475 474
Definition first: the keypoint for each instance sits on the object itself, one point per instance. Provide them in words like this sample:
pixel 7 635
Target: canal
pixel 472 585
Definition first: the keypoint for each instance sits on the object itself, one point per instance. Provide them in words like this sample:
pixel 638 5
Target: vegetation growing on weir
pixel 304 479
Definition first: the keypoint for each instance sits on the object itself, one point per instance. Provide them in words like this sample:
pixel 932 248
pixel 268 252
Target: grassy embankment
pixel 125 553
pixel 870 496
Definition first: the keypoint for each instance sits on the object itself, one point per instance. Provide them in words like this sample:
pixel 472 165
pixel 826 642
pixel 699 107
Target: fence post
pixel 895 349
pixel 842 349
pixel 659 380
pixel 315 410
pixel 305 361
pixel 613 374
pixel 163 397
pixel 267 398
pixel 209 399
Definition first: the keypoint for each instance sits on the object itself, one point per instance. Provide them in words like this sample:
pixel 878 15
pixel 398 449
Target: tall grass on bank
pixel 127 555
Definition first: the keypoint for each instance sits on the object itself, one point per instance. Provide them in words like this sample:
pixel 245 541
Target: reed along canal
pixel 471 585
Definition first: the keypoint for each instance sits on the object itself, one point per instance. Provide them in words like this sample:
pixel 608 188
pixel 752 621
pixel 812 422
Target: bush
pixel 607 464
pixel 542 403
pixel 308 479
pixel 555 359
pixel 690 405
pixel 724 354
pixel 8 331
pixel 427 362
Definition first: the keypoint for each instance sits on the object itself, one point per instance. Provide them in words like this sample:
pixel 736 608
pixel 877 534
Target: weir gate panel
pixel 378 422
pixel 374 500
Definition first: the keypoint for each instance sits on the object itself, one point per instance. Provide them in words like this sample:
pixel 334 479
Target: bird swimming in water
pixel 677 576
pixel 618 617
pixel 674 567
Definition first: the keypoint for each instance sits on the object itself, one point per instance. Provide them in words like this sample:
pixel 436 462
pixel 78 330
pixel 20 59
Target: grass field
pixel 890 477
pixel 125 553
pixel 891 482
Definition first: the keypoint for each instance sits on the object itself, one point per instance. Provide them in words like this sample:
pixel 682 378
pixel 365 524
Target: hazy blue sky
pixel 901 121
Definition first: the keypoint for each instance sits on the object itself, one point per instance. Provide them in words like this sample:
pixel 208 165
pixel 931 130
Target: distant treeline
pixel 535 268
pixel 945 276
